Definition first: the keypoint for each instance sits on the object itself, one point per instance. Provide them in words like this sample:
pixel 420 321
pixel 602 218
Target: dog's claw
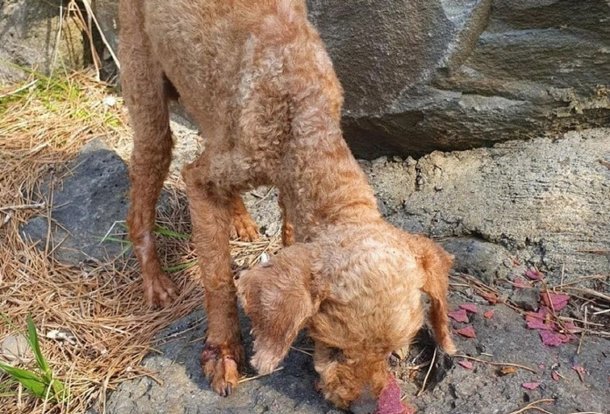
pixel 159 290
pixel 220 368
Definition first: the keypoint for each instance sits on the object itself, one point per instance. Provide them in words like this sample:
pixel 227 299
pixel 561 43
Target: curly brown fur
pixel 255 76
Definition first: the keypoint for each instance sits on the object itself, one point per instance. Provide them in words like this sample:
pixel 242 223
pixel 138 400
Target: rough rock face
pixel 424 75
pixel 421 75
pixel 546 201
pixel 29 38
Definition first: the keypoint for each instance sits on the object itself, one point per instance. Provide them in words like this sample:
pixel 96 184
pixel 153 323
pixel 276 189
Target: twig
pixel 500 364
pixel 19 89
pixel 423 386
pixel 582 334
pixel 590 292
pixel 246 379
pixel 23 206
pixel 301 351
pixel 532 406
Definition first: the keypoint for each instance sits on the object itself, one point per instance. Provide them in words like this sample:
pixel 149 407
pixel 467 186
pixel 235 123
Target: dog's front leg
pixel 211 217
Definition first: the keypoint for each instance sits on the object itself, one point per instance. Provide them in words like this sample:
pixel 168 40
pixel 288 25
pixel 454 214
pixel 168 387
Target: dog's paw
pixel 244 227
pixel 159 290
pixel 265 361
pixel 220 365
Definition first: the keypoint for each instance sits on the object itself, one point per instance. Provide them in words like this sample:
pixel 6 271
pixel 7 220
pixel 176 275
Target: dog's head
pixel 359 297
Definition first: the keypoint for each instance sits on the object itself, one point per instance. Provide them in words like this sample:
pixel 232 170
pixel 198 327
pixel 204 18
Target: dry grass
pixel 43 124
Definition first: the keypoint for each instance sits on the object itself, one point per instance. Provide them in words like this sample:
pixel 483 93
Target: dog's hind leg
pixel 243 224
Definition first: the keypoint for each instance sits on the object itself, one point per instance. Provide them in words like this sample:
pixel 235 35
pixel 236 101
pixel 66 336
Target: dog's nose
pixel 365 404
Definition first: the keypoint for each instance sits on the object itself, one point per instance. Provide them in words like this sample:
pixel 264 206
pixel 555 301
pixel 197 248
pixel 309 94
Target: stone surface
pixel 546 201
pixel 461 74
pixel 184 390
pixel 87 203
pixel 451 388
pixel 486 260
pixel 29 39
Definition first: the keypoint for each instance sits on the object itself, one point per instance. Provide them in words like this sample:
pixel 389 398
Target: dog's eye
pixel 336 354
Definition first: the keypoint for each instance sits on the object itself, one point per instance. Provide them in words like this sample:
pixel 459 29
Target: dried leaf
pixel 469 307
pixel 534 274
pixel 539 320
pixel 459 316
pixel 551 338
pixel 466 363
pixel 389 400
pixel 530 385
pixel 467 331
pixel 571 328
pixel 508 370
pixel 555 301
pixel 521 283
pixel 489 314
pixel 492 298
pixel 555 375
pixel 580 370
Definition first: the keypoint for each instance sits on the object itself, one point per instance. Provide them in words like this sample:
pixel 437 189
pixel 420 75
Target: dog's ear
pixel 437 263
pixel 279 296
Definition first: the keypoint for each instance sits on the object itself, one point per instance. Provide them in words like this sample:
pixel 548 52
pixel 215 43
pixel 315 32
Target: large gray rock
pixel 421 75
pixel 424 75
pixel 29 38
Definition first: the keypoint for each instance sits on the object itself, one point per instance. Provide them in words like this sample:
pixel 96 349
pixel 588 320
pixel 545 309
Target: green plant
pixel 42 383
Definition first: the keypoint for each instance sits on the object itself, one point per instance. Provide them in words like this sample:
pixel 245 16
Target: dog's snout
pixel 365 404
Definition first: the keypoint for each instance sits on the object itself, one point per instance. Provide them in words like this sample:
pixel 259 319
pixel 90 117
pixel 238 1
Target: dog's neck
pixel 324 183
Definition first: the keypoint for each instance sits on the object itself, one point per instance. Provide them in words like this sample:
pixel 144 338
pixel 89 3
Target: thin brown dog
pixel 255 76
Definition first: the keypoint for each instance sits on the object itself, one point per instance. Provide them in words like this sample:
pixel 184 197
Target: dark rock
pixel 526 298
pixel 461 74
pixel 479 258
pixel 91 198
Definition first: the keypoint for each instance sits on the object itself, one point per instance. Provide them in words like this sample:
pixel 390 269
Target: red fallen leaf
pixel 555 375
pixel 459 315
pixel 492 298
pixel 466 363
pixel 555 301
pixel 521 283
pixel 539 320
pixel 580 370
pixel 530 385
pixel 469 307
pixel 467 331
pixel 550 338
pixel 489 314
pixel 534 274
pixel 389 400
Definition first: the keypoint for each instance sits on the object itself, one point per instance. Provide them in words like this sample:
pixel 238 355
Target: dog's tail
pixel 437 263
